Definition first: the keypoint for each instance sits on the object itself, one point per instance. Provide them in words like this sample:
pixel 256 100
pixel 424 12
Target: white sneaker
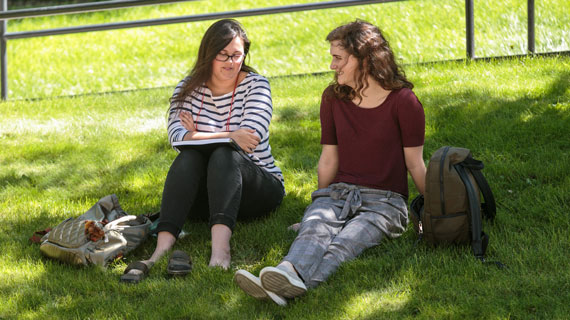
pixel 282 282
pixel 251 285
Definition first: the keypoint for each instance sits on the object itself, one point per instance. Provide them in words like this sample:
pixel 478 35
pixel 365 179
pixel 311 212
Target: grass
pixel 60 155
pixel 283 44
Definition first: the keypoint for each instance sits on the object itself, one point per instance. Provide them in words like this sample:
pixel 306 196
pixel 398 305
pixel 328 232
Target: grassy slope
pixel 291 43
pixel 61 155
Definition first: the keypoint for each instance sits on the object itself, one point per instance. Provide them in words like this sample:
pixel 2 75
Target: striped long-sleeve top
pixel 252 108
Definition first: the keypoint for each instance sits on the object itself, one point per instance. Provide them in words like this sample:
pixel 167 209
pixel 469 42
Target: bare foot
pixel 220 258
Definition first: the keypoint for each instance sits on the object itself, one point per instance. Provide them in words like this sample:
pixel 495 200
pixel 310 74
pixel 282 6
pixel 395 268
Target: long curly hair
pixel 216 38
pixel 367 44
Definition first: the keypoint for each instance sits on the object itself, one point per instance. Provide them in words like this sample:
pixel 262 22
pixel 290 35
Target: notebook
pixel 206 143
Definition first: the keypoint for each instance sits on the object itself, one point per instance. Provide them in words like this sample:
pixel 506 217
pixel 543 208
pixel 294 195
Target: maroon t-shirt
pixel 370 141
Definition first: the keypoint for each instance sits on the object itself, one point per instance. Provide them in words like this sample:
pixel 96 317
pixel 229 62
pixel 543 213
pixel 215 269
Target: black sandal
pixel 179 264
pixel 135 277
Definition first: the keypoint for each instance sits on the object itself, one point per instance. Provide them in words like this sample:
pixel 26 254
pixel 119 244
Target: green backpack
pixel 451 210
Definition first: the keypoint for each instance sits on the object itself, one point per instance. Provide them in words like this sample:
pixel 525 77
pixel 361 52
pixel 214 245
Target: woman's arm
pixel 258 106
pixel 258 110
pixel 175 129
pixel 245 138
pixel 328 165
pixel 416 166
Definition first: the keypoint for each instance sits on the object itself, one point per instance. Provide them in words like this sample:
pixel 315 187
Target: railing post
pixel 469 29
pixel 530 8
pixel 3 58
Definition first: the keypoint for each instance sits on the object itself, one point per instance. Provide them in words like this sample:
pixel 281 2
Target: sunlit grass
pixel 283 44
pixel 59 156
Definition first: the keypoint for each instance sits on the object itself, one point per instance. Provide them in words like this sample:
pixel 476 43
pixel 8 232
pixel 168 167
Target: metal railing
pixel 6 15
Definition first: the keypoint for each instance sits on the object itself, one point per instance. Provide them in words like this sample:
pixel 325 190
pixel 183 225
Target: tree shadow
pixel 524 125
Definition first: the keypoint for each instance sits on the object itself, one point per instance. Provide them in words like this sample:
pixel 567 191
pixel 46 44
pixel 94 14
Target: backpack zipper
pixel 441 191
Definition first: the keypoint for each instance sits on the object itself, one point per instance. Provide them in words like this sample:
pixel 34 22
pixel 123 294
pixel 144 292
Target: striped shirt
pixel 252 108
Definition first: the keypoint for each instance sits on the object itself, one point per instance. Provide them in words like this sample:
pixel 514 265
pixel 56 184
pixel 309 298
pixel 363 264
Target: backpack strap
pixel 489 207
pixel 477 234
pixel 475 166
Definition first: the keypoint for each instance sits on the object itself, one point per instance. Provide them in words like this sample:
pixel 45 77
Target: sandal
pixel 140 270
pixel 179 264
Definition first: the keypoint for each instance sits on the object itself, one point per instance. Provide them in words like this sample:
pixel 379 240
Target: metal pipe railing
pixel 530 26
pixel 3 56
pixel 6 15
pixel 26 13
pixel 80 8
pixel 192 18
pixel 469 29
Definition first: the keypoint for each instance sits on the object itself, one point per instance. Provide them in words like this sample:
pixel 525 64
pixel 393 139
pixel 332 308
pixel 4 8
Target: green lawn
pixel 60 155
pixel 283 44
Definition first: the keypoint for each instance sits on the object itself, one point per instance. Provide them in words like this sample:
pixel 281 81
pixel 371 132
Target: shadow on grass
pixel 505 133
pixel 67 168
pixel 517 139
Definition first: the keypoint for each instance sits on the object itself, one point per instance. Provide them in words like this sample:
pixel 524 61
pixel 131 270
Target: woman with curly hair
pixel 372 135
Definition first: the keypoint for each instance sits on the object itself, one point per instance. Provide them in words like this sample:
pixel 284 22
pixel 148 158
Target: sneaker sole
pixel 281 283
pixel 252 286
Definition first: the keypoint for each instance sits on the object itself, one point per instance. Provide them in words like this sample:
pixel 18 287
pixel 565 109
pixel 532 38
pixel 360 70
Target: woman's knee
pixel 321 211
pixel 223 162
pixel 223 156
pixel 187 162
pixel 188 156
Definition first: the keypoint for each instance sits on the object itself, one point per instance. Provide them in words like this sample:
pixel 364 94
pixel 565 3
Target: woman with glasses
pixel 222 97
pixel 372 135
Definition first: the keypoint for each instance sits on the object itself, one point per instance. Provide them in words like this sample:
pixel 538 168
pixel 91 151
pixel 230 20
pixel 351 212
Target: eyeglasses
pixel 234 58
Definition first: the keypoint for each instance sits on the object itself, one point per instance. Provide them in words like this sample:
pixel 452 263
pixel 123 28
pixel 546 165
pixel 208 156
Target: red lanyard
pixel 231 107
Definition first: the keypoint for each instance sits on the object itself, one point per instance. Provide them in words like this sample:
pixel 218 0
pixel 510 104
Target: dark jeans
pixel 217 184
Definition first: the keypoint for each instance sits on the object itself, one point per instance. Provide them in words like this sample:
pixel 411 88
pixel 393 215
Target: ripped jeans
pixel 342 221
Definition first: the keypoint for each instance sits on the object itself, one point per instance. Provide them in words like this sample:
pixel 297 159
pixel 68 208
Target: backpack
pixel 99 236
pixel 451 211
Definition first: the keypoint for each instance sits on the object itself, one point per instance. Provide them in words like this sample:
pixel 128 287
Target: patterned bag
pixel 99 236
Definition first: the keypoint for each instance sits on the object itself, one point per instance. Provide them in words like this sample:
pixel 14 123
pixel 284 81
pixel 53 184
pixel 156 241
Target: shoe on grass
pixel 282 282
pixel 179 264
pixel 251 285
pixel 136 272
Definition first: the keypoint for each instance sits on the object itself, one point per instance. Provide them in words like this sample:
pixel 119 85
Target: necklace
pixel 231 107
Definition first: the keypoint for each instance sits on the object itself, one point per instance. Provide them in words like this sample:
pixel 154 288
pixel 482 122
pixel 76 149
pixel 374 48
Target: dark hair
pixel 367 44
pixel 216 38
